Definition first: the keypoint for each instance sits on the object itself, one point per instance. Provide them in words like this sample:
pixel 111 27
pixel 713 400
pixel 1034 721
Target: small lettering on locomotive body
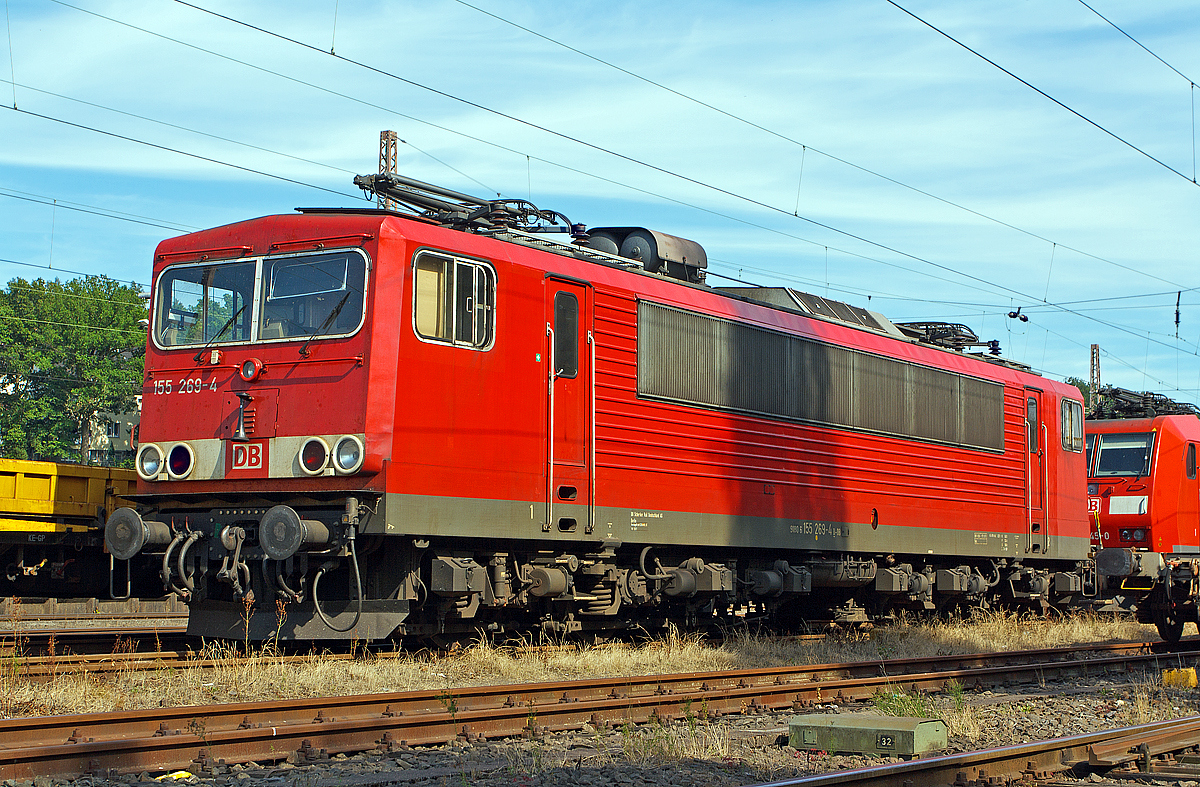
pixel 989 540
pixel 639 519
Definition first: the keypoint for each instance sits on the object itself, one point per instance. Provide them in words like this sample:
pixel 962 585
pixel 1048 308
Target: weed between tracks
pixel 236 673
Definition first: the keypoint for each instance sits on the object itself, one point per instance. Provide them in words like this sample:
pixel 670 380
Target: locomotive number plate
pixel 185 385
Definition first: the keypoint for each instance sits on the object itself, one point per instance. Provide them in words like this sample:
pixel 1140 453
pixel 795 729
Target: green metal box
pixel 890 736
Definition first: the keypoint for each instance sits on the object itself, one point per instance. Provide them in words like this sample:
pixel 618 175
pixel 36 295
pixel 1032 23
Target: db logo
pixel 1093 505
pixel 247 456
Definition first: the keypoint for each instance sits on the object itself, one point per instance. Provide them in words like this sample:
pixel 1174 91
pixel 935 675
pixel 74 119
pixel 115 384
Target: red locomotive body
pixel 1142 487
pixel 1144 498
pixel 371 424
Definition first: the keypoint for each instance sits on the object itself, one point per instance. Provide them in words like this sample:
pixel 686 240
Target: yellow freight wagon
pixel 52 526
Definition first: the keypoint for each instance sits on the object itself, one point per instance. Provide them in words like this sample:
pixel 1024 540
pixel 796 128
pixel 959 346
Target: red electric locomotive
pixel 1142 488
pixel 1144 499
pixel 457 418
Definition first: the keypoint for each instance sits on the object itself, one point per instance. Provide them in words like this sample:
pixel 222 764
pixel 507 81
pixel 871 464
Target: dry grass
pixel 1151 702
pixel 262 675
pixel 652 743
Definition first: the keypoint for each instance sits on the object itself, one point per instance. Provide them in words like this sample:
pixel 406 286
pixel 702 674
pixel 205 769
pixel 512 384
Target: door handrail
pixel 591 525
pixel 550 432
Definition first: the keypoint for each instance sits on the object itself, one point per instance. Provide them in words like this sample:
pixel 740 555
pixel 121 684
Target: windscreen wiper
pixel 220 333
pixel 328 321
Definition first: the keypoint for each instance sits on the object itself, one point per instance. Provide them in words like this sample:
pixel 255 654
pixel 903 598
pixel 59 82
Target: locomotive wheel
pixel 1169 623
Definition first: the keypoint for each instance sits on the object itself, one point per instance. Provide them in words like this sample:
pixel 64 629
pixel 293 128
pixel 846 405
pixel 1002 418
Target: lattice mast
pixel 387 165
pixel 1094 379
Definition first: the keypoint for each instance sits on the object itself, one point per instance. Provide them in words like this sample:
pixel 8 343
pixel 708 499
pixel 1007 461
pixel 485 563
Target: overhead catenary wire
pixel 95 210
pixel 633 160
pixel 1039 91
pixel 12 66
pixel 137 331
pixel 561 166
pixel 885 296
pixel 1114 326
pixel 7 261
pixel 579 141
pixel 547 161
pixel 304 83
pixel 1191 82
pixel 167 149
pixel 1134 40
pixel 804 147
pixel 188 129
pixel 862 256
pixel 947 268
pixel 65 294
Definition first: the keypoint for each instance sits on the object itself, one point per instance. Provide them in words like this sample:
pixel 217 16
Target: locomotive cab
pixel 1143 491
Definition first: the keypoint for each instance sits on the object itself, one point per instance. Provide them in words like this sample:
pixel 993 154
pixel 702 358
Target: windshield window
pixel 300 297
pixel 312 296
pixel 1124 454
pixel 196 301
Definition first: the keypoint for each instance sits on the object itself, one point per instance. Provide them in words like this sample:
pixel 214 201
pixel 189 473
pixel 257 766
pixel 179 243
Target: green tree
pixel 68 350
pixel 1083 387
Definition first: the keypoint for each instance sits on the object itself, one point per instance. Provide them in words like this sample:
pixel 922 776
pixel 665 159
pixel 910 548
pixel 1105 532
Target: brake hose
pixel 992 583
pixel 168 584
pixel 642 566
pixel 357 584
pixel 183 576
pixel 281 581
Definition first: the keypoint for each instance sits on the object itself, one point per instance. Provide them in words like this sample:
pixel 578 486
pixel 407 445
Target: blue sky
pixel 887 161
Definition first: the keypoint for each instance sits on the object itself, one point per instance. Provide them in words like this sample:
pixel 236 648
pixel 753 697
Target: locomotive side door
pixel 1036 466
pixel 570 407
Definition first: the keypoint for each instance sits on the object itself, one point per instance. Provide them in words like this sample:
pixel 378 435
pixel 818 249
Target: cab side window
pixel 454 300
pixel 1190 462
pixel 1072 425
pixel 566 335
pixel 1031 421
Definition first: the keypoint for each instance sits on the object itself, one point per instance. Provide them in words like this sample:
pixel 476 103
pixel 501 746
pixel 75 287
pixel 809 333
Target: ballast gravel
pixel 735 750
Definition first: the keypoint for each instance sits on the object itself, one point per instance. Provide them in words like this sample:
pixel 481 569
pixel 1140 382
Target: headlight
pixel 348 454
pixel 250 369
pixel 314 455
pixel 1139 535
pixel 149 461
pixel 1126 535
pixel 180 461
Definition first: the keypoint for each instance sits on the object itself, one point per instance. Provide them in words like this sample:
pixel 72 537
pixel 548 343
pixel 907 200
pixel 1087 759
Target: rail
pixel 310 729
pixel 1032 763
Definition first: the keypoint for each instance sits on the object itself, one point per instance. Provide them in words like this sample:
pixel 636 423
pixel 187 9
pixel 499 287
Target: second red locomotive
pixel 455 420
pixel 1144 498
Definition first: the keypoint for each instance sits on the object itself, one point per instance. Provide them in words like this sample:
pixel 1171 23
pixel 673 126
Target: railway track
pixel 308 730
pixel 152 649
pixel 28 608
pixel 1145 753
pixel 36 645
pixel 98 617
